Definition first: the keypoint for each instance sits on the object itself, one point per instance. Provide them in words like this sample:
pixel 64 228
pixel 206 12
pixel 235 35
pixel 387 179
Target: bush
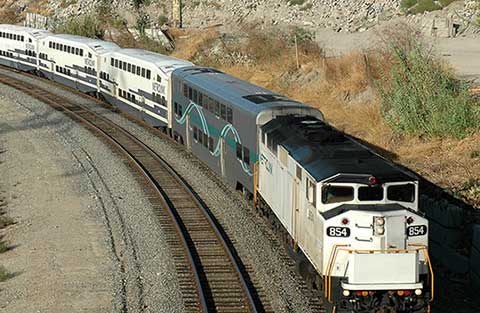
pixel 5 221
pixel 4 274
pixel 296 2
pixel 425 6
pixel 423 97
pixel 407 4
pixel 3 246
pixel 86 26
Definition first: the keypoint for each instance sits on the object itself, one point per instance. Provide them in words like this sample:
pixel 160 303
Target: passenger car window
pixel 403 193
pixel 229 115
pixel 374 193
pixel 335 194
pixel 246 156
pixel 311 192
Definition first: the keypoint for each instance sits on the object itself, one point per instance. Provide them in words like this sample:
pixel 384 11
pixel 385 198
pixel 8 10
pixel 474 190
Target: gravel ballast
pixel 86 238
pixel 254 241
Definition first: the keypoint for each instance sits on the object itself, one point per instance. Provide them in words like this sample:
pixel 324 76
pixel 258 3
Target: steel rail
pixel 185 229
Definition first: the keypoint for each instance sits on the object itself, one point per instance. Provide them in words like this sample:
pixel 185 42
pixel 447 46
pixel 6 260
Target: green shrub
pixel 86 26
pixel 4 274
pixel 3 246
pixel 296 2
pixel 425 6
pixel 407 4
pixel 424 98
pixel 5 221
pixel 162 20
pixel 444 3
pixel 143 22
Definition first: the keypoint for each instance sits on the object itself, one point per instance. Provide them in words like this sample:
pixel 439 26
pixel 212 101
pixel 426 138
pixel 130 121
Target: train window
pixel 185 90
pixel 299 172
pixel 129 67
pixel 159 79
pixel 116 63
pixel 211 144
pixel 239 151
pixel 200 99
pixel 335 194
pixel 81 52
pixel 57 46
pixel 195 134
pixel 139 69
pixel 311 192
pixel 371 193
pixel 164 101
pixel 200 136
pixel 223 111
pixel 143 73
pixel 134 69
pixel 246 156
pixel 217 109
pixel 77 51
pixel 403 193
pixel 112 61
pixel 190 93
pixel 229 115
pixel 149 74
pixel 195 96
pixel 14 37
pixel 61 47
pixel 205 140
pixel 175 108
pixel 68 49
pixel 124 66
pixel 89 55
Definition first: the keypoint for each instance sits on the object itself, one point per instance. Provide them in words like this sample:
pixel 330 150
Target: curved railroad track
pixel 210 274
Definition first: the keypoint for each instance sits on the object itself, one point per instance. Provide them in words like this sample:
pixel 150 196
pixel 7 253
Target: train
pixel 349 217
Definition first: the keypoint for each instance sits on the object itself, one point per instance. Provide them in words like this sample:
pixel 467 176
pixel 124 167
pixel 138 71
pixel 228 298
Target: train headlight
pixel 379 224
pixel 379 221
pixel 418 292
pixel 346 293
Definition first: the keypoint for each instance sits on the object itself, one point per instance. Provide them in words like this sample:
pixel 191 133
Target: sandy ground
pixel 58 255
pixel 463 53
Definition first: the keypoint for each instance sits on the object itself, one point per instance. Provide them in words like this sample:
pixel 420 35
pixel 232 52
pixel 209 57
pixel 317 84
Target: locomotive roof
pixel 95 44
pixel 237 92
pixel 325 151
pixel 163 62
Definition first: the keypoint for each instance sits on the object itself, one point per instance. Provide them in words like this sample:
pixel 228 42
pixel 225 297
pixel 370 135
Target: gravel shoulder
pixel 254 241
pixel 76 245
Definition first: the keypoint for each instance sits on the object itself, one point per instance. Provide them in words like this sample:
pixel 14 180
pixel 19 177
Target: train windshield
pixel 370 193
pixel 402 193
pixel 335 194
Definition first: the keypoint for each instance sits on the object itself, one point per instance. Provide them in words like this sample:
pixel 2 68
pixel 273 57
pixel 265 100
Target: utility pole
pixel 177 13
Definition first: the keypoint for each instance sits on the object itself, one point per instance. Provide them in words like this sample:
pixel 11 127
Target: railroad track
pixel 210 274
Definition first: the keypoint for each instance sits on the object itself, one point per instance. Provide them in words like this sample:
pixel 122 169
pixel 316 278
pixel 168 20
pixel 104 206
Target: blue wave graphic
pixel 227 129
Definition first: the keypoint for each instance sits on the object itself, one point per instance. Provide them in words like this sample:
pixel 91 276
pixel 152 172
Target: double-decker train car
pixel 140 83
pixel 76 61
pixel 217 116
pixel 21 48
pixel 350 217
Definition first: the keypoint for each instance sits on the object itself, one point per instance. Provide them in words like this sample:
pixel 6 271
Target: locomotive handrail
pixel 338 248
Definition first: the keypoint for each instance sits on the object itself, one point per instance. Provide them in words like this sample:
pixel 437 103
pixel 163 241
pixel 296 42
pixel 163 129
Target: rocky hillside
pixel 338 15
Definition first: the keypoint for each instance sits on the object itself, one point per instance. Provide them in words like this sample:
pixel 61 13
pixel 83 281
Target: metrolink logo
pixel 226 130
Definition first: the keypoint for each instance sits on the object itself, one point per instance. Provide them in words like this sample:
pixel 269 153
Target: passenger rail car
pixel 20 47
pixel 350 217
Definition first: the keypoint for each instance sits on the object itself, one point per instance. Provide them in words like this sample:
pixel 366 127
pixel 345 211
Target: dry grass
pixel 344 90
pixel 8 16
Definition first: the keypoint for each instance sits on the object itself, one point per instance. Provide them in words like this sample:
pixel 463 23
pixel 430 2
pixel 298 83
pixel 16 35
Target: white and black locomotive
pixel 350 217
